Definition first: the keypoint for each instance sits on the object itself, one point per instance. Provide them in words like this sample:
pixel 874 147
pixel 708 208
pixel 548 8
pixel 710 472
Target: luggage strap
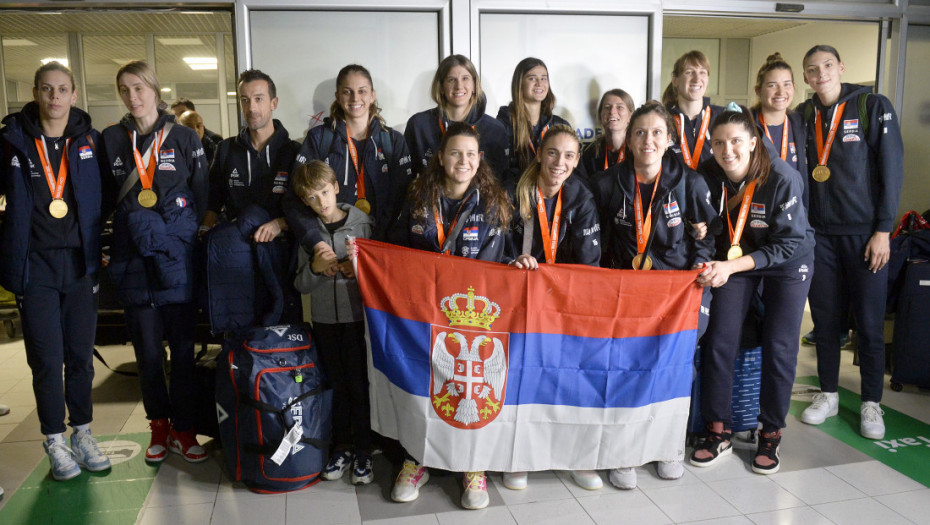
pixel 279 412
pixel 114 370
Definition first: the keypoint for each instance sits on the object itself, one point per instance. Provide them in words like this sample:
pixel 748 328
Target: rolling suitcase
pixel 911 351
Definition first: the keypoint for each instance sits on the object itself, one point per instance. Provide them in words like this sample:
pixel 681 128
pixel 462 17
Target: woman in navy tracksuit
pixel 769 243
pixel 154 275
pixel 613 112
pixel 671 198
pixel 549 201
pixel 456 207
pixel 528 116
pixel 456 89
pixel 693 112
pixel 376 150
pixel 855 185
pixel 49 258
pixel 781 128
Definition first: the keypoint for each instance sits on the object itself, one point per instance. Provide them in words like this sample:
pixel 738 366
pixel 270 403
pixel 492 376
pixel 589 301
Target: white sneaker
pixel 825 404
pixel 670 469
pixel 871 424
pixel 515 480
pixel 475 495
pixel 408 482
pixel 623 478
pixel 86 452
pixel 61 459
pixel 587 479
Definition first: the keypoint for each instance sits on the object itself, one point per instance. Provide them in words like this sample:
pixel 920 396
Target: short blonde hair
pixel 312 176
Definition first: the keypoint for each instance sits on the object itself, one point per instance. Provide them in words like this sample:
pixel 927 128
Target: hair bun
pixel 774 57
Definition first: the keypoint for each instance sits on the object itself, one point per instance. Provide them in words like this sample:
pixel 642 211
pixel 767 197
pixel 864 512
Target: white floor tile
pixel 541 486
pixel 425 519
pixel 759 494
pixel 815 486
pixel 728 467
pixel 732 520
pixel 865 511
pixel 913 505
pixel 875 478
pixel 624 507
pixel 795 516
pixel 557 512
pixel 270 509
pixel 182 483
pixel 495 515
pixel 322 508
pixel 690 503
pixel 199 513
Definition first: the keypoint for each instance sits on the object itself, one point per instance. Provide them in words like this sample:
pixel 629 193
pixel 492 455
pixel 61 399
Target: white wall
pixel 915 122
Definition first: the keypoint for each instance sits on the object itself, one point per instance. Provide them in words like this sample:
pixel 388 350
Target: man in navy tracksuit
pixel 852 212
pixel 50 259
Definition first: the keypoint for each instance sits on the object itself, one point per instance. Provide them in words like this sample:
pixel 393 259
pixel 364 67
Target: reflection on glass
pixel 21 57
pixel 103 56
pixel 187 66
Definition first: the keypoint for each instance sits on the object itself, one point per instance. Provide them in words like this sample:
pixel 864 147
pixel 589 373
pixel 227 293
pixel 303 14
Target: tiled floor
pixel 822 480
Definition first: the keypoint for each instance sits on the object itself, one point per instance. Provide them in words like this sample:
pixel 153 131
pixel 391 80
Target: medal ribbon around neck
pixel 55 186
pixel 823 150
pixel 147 173
pixel 694 159
pixel 550 237
pixel 542 135
pixel 784 135
pixel 643 227
pixel 359 166
pixel 737 233
pixel 440 227
pixel 607 154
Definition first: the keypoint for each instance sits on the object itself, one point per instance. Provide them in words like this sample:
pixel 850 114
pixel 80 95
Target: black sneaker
pixel 768 447
pixel 361 469
pixel 719 444
pixel 340 462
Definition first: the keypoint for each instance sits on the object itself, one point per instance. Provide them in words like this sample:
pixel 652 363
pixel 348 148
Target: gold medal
pixel 147 198
pixel 643 259
pixel 735 252
pixel 58 208
pixel 363 205
pixel 821 173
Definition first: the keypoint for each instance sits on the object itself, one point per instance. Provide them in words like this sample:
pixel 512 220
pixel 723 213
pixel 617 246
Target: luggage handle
pixel 911 221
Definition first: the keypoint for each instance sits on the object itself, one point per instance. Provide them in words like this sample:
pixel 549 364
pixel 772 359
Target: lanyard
pixel 440 226
pixel 784 135
pixel 693 159
pixel 542 135
pixel 737 233
pixel 619 157
pixel 823 151
pixel 360 167
pixel 55 186
pixel 643 227
pixel 147 171
pixel 550 237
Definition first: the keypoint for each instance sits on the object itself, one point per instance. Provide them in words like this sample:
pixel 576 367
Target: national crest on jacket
pixel 468 375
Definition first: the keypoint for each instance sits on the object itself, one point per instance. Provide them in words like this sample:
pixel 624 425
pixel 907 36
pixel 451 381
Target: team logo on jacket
pixel 757 208
pixel 14 162
pixel 851 138
pixel 674 221
pixel 671 209
pixel 118 162
pixel 468 376
pixel 470 233
pixel 164 166
pixel 850 125
pixel 167 155
pixel 181 202
pixel 84 152
pixel 280 182
pixel 758 223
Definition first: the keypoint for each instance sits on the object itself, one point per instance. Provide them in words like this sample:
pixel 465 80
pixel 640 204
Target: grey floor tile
pixel 624 507
pixel 551 512
pixel 866 511
pixel 815 486
pixel 794 516
pixel 913 505
pixel 691 503
pixel 757 494
pixel 875 478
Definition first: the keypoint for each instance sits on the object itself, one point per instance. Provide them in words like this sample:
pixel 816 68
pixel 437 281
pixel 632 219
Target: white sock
pixel 81 428
pixel 55 437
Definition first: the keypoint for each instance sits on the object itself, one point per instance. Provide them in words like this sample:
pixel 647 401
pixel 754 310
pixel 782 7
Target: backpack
pixel 274 409
pixel 863 112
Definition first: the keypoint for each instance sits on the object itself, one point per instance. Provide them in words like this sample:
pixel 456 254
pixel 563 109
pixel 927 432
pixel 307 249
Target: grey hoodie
pixel 334 299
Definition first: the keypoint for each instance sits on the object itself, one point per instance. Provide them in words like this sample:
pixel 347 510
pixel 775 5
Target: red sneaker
pixel 158 446
pixel 185 443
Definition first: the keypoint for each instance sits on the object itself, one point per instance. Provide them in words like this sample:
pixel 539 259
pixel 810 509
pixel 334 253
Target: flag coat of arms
pixel 482 366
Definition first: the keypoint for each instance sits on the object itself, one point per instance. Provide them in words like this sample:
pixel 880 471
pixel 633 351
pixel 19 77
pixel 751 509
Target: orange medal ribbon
pixel 693 159
pixel 55 186
pixel 737 233
pixel 359 168
pixel 550 237
pixel 147 174
pixel 541 137
pixel 440 227
pixel 607 156
pixel 784 136
pixel 823 150
pixel 643 227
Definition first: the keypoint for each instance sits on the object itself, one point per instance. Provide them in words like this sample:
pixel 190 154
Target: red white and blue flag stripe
pixel 482 366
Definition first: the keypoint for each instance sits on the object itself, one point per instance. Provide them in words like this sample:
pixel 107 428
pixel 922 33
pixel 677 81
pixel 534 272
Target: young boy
pixel 338 326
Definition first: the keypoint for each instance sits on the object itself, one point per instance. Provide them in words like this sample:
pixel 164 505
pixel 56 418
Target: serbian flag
pixel 482 366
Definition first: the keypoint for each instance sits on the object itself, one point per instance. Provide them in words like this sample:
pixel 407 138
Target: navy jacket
pixel 579 230
pixel 682 196
pixel 797 147
pixel 777 233
pixel 693 127
pixel 386 179
pixel 514 169
pixel 862 194
pixel 181 173
pixel 478 239
pixel 241 176
pixel 592 161
pixel 423 136
pixel 19 163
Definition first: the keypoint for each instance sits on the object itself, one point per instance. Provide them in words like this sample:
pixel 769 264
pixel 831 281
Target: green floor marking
pixel 93 498
pixel 906 447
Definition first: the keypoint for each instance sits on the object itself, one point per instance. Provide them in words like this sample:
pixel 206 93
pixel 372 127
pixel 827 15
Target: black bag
pixel 911 351
pixel 911 240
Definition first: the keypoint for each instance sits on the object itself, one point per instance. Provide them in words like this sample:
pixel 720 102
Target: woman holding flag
pixel 768 242
pixel 456 207
pixel 648 204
